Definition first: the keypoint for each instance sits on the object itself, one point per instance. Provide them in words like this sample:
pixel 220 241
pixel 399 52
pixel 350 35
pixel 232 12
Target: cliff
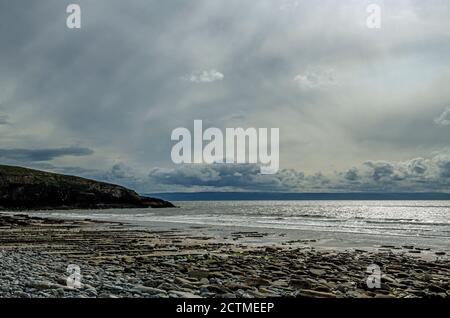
pixel 28 189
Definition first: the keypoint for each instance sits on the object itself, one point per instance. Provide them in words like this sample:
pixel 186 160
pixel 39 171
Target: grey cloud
pixel 245 177
pixel 381 170
pixel 4 120
pixel 352 174
pixel 415 175
pixel 32 155
pixel 315 79
pixel 289 5
pixel 204 76
pixel 444 118
pixel 419 174
pixel 115 84
pixel 121 171
pixel 417 166
pixel 216 175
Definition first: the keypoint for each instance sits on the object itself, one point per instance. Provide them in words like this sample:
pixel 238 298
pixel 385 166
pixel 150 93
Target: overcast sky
pixel 358 109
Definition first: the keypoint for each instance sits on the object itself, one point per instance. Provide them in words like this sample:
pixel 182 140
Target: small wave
pixel 404 222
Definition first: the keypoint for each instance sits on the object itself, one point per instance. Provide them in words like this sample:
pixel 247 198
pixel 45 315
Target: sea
pixel 331 223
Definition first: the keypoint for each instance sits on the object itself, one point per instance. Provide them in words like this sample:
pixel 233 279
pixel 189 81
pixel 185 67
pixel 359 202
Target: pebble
pixel 219 270
pixel 317 272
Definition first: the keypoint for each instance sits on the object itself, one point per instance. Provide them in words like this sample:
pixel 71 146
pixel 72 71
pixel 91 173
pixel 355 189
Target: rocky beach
pixel 37 256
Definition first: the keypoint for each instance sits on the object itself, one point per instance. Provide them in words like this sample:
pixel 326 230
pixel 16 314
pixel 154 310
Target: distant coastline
pixel 289 196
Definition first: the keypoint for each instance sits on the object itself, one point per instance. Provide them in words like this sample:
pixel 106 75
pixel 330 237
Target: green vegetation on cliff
pixel 28 189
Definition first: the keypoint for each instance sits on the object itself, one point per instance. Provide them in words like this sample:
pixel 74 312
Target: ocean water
pixel 420 219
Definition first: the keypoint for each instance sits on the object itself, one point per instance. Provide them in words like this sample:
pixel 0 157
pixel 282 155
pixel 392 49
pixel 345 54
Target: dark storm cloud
pixel 32 155
pixel 352 174
pixel 217 175
pixel 221 177
pixel 381 170
pixel 419 174
pixel 416 175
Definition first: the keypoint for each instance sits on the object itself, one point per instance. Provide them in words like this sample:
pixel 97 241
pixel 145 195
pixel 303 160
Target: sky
pixel 358 109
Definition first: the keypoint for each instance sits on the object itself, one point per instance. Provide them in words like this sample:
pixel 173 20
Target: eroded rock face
pixel 27 189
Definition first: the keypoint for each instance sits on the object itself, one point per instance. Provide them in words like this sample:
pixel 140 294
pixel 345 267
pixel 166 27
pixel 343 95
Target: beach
pixel 117 259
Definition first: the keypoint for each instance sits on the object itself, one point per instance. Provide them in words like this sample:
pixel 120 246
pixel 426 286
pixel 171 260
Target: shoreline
pixel 422 246
pixel 120 260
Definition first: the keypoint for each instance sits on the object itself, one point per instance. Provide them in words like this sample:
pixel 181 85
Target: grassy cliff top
pixel 21 174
